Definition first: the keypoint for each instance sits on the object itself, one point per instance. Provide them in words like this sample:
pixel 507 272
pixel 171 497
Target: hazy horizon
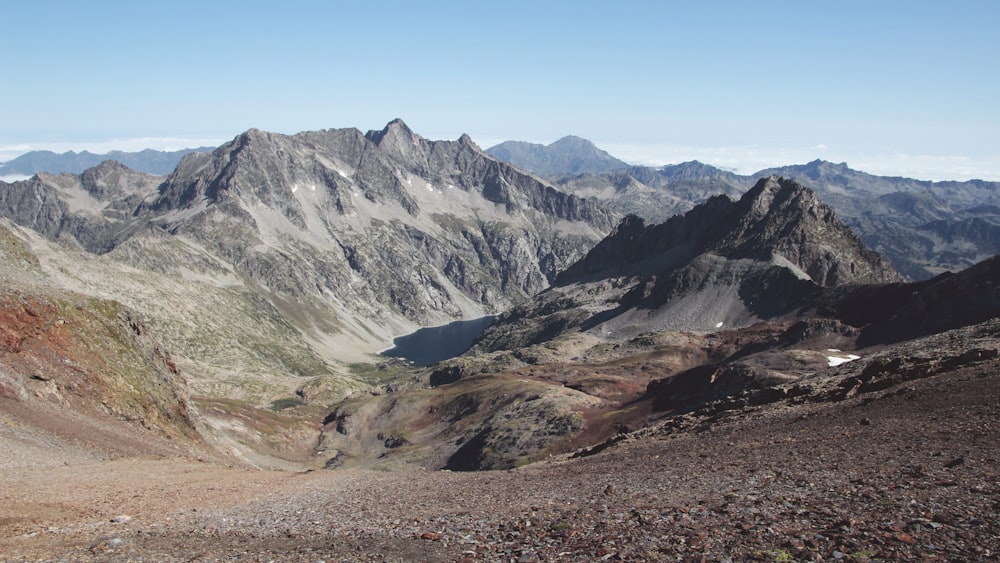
pixel 741 160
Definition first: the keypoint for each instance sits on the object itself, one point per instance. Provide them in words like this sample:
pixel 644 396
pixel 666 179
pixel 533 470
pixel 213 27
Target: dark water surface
pixel 436 343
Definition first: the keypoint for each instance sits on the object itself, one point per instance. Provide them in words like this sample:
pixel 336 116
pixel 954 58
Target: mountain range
pixel 253 287
pixel 924 228
pixel 742 379
pixel 276 259
pixel 158 163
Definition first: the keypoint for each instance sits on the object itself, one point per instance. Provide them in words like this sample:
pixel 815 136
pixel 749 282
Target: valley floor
pixel 911 472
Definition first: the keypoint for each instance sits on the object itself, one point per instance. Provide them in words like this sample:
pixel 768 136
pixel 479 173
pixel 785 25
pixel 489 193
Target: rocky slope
pixel 799 288
pixel 500 409
pixel 81 373
pixel 274 266
pixel 751 440
pixel 901 468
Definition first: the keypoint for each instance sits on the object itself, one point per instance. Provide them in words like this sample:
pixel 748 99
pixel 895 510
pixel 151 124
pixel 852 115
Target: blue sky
pixel 907 88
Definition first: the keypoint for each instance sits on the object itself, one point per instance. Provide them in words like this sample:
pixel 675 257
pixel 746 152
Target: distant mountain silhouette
pixel 149 161
pixel 569 155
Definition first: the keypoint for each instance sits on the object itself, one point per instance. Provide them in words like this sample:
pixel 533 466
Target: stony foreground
pixel 909 472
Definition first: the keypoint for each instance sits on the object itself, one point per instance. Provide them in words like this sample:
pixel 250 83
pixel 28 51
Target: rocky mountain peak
pixel 568 155
pixel 778 217
pixel 775 195
pixel 395 132
pixel 109 179
pixel 690 170
pixel 107 167
pixel 781 217
pixel 575 143
pixel 818 167
pixel 251 136
pixel 466 141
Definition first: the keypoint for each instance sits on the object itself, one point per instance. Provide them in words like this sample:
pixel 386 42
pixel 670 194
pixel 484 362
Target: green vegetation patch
pixel 286 403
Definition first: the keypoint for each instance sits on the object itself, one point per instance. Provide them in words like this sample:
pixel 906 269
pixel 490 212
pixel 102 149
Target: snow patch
pixel 718 324
pixel 833 361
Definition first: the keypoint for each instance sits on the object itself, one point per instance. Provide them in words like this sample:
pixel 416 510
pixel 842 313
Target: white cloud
pixel 13 178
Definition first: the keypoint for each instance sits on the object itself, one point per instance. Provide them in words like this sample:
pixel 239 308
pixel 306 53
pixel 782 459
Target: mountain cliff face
pixel 567 156
pixel 725 263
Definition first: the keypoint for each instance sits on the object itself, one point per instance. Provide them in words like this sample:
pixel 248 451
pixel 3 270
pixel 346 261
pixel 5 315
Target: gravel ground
pixel 909 472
